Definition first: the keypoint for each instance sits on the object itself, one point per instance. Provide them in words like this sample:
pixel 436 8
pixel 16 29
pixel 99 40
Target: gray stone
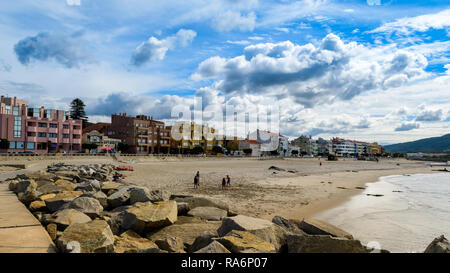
pixel 438 245
pixel 67 217
pixel 171 244
pixel 202 241
pixel 130 241
pixel 146 216
pixel 264 229
pixel 323 244
pixel 25 186
pixel 119 198
pixel 213 247
pixel 208 213
pixel 87 205
pixel 92 185
pixel 188 231
pixel 56 203
pixel 143 194
pixel 202 202
pixel 100 196
pixel 238 241
pixel 92 237
pixel 182 208
pixel 316 227
pixel 287 225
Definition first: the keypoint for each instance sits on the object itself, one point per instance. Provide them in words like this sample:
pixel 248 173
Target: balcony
pixel 65 141
pixel 32 129
pixel 53 130
pixel 76 141
pixel 32 139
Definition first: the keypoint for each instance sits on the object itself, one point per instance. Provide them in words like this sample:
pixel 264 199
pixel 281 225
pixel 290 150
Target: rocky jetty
pixel 84 211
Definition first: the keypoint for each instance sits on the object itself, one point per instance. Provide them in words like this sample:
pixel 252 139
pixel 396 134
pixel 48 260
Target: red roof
pixel 252 141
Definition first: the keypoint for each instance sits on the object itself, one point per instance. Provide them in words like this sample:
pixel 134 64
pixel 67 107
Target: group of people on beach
pixel 226 181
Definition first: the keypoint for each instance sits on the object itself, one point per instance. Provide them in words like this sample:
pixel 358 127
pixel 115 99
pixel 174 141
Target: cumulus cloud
pixel 430 115
pixel 114 103
pixel 155 50
pixel 230 20
pixel 313 74
pixel 407 126
pixel 45 46
pixel 420 23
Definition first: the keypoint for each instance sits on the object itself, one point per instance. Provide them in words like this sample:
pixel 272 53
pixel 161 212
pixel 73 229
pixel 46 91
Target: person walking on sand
pixel 197 180
pixel 223 183
pixel 228 181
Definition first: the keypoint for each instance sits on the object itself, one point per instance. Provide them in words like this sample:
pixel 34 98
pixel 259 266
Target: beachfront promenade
pixel 20 231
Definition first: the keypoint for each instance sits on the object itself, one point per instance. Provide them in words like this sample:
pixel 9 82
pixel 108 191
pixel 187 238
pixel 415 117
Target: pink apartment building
pixel 38 130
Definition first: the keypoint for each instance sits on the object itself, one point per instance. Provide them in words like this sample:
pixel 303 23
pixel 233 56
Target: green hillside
pixel 426 145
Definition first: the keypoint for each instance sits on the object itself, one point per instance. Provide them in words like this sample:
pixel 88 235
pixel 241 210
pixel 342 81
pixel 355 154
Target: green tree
pixel 77 111
pixel 247 151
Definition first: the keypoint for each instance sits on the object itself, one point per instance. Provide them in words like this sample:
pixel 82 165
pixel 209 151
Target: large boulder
pixel 99 195
pixel 143 194
pixel 208 213
pixel 28 196
pixel 202 241
pixel 323 244
pixel 61 199
pixel 65 185
pixel 171 244
pixel 92 237
pixel 130 241
pixel 50 188
pixel 182 208
pixel 120 198
pixel 87 205
pixel 37 205
pixel 264 229
pixel 238 241
pixel 110 186
pixel 25 186
pixel 67 217
pixel 92 185
pixel 144 217
pixel 213 247
pixel 316 227
pixel 287 225
pixel 188 231
pixel 202 202
pixel 439 245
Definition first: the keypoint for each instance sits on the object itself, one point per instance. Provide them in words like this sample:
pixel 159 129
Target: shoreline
pixel 322 205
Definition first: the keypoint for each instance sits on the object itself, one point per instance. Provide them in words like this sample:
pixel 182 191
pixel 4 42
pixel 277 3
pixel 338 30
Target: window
pixel 42 125
pixel 65 126
pixel 20 145
pixel 48 114
pixel 65 135
pixel 52 135
pixel 36 112
pixel 53 125
pixel 8 109
pixel 12 145
pixel 30 145
pixel 16 110
pixel 40 134
pixel 185 144
pixel 17 127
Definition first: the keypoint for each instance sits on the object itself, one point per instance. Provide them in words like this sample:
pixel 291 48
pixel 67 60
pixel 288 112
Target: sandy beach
pixel 303 189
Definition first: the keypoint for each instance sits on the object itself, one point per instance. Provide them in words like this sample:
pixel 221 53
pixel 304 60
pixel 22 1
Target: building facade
pixel 142 134
pixel 38 130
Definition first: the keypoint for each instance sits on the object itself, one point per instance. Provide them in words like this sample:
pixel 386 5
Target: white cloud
pixel 407 126
pixel 309 74
pixel 242 42
pixel 155 49
pixel 230 20
pixel 420 23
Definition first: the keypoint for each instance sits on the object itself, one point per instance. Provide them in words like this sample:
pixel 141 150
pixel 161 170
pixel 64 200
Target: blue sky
pixel 375 72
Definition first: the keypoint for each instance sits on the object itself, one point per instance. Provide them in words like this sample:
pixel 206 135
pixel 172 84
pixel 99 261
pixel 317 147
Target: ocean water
pixel 413 210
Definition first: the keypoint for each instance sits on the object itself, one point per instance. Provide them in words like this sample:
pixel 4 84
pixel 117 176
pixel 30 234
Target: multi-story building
pixel 143 134
pixel 324 147
pixel 38 130
pixel 343 147
pixel 104 143
pixel 191 134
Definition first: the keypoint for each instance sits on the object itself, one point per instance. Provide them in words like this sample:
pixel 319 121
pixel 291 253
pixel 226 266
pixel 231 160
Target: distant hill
pixel 426 145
